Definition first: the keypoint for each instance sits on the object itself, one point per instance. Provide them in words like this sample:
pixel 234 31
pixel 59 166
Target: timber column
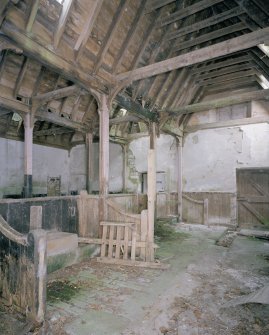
pixel 151 193
pixel 103 155
pixel 179 176
pixel 89 162
pixel 28 156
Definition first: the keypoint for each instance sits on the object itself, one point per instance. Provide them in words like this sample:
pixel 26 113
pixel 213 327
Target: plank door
pixel 253 197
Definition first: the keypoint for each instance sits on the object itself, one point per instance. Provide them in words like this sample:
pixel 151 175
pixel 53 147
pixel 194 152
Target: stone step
pixel 61 243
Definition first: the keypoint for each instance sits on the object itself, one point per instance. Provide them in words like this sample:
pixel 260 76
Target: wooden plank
pixel 126 243
pixel 228 77
pixel 229 123
pixel 90 240
pixel 258 187
pixel 223 102
pixel 110 35
pixel 219 49
pixel 254 12
pixel 209 36
pixel 67 7
pixel 254 199
pixel 189 10
pixel 223 71
pixel 110 244
pixel 118 240
pixel 94 11
pixel 117 224
pixel 123 119
pixel 133 247
pixel 32 15
pixel 104 243
pixel 215 19
pixel 205 214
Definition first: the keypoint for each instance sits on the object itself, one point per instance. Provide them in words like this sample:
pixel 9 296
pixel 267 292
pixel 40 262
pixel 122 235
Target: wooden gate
pixel 253 197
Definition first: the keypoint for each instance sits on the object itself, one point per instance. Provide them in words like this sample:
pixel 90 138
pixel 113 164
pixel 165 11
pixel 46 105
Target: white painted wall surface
pixel 165 160
pixel 210 157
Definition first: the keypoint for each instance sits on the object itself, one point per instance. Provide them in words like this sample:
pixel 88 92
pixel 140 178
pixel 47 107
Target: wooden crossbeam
pixel 209 37
pixel 52 131
pixel 215 19
pixel 122 119
pixel 190 10
pixel 156 4
pixel 223 102
pixel 219 49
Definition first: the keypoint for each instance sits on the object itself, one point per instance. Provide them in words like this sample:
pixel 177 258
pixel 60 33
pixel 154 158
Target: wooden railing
pixel 23 271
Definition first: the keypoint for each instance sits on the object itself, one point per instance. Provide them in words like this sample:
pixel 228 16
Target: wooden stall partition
pixel 88 212
pixel 23 271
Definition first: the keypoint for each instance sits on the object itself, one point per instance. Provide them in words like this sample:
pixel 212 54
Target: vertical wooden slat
pixel 206 212
pixel 110 245
pixel 126 240
pixel 144 225
pixel 103 247
pixel 133 248
pixel 118 241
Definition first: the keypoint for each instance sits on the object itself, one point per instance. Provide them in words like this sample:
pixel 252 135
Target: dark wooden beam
pixel 219 49
pixel 223 102
pixel 52 131
pixel 153 5
pixel 189 10
pixel 254 12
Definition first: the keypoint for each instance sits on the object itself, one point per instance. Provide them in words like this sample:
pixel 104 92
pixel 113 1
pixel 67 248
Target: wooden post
pixel 103 156
pixel 35 217
pixel 28 156
pixel 179 182
pixel 124 177
pixel 89 162
pixel 151 193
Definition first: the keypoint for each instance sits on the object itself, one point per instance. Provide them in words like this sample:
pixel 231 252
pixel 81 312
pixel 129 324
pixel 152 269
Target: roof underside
pixel 56 53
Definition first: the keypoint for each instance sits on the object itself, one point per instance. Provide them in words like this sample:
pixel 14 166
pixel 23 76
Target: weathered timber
pixel 67 6
pixel 153 5
pixel 122 119
pixel 32 15
pixel 11 233
pixel 52 131
pixel 223 102
pixel 219 49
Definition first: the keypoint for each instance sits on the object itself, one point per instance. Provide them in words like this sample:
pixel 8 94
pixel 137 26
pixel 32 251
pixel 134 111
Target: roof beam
pixel 52 131
pixel 227 77
pixel 110 34
pixel 182 13
pixel 122 119
pixel 94 10
pixel 215 19
pixel 21 75
pixel 157 4
pixel 67 6
pixel 219 49
pixel 223 71
pixel 32 15
pixel 223 102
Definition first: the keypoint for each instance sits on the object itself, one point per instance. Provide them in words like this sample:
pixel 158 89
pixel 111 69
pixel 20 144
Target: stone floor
pixel 187 299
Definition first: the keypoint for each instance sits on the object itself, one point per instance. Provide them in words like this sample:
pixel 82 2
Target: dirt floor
pixel 187 299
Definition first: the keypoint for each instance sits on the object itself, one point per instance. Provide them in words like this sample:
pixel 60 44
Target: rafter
pixel 135 24
pixel 94 10
pixel 219 49
pixel 190 10
pixel 228 77
pixel 67 6
pixel 32 15
pixel 155 4
pixel 21 75
pixel 110 35
pixel 258 16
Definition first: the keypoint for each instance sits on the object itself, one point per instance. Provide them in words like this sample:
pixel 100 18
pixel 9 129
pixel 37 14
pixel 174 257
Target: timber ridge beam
pixel 204 54
pixel 223 102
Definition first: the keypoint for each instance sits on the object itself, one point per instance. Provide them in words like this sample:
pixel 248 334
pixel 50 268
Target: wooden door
pixel 253 197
